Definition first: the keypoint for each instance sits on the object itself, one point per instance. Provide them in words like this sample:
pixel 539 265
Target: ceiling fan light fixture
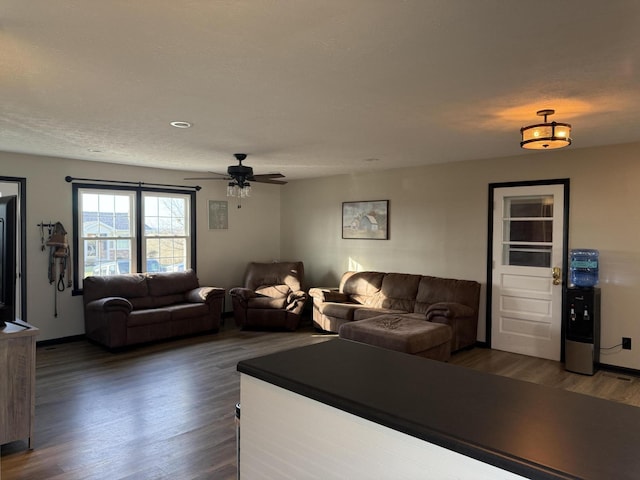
pixel 234 189
pixel 239 176
pixel 547 135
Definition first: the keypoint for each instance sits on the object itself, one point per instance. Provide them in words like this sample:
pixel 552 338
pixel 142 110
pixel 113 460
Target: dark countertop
pixel 528 429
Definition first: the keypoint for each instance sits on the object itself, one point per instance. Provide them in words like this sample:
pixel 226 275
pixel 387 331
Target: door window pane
pixel 527 255
pixel 528 231
pixel 538 206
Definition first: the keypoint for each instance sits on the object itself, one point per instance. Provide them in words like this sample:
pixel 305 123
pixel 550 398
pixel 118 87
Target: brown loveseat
pixel 364 295
pixel 122 310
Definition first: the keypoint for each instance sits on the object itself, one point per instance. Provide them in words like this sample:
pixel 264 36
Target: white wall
pixel 253 232
pixel 438 224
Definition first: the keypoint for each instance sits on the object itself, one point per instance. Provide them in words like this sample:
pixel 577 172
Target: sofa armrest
pixel 328 295
pixel 242 293
pixel 110 304
pixel 449 310
pixel 461 318
pixel 204 294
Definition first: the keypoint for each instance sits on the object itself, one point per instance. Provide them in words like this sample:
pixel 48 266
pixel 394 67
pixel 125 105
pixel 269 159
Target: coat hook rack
pixel 49 226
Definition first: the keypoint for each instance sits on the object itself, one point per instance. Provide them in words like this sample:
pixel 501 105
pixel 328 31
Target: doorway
pixel 17 186
pixel 528 237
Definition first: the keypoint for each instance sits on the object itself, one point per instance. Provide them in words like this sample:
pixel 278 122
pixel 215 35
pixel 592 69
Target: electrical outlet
pixel 626 343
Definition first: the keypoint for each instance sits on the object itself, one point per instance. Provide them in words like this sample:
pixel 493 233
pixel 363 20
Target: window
pixel 107 233
pixel 166 230
pixel 124 230
pixel 528 231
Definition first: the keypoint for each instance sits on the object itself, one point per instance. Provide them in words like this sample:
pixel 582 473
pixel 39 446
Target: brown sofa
pixel 363 295
pixel 121 310
pixel 272 296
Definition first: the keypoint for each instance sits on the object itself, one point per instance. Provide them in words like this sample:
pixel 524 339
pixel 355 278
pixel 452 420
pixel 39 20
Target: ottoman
pixel 403 334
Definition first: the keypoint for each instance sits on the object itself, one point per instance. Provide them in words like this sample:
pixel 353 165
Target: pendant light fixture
pixel 239 188
pixel 547 135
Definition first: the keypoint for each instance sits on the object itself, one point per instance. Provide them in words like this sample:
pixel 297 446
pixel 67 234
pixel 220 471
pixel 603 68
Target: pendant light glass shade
pixel 235 190
pixel 546 136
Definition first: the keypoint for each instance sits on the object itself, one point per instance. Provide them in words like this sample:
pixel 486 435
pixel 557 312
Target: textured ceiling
pixel 312 88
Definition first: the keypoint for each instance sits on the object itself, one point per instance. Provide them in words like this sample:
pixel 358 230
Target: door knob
pixel 555 273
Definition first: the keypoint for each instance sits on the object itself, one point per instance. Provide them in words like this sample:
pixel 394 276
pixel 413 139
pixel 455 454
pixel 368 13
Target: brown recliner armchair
pixel 272 296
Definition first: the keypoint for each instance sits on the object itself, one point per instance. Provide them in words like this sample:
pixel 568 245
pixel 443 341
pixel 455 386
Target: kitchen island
pixel 341 409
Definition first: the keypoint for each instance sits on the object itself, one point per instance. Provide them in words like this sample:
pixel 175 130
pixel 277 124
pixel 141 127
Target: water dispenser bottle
pixel 583 267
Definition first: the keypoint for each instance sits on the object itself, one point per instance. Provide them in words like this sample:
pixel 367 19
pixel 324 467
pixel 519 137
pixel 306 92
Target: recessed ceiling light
pixel 180 124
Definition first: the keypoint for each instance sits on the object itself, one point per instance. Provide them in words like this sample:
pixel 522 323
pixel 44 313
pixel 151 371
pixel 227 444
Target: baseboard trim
pixel 617 369
pixel 58 341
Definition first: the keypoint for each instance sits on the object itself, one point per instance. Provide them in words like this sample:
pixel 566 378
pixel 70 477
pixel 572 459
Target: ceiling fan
pixel 240 175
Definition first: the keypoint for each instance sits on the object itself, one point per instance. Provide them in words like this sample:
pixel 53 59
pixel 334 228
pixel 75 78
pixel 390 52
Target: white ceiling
pixel 312 87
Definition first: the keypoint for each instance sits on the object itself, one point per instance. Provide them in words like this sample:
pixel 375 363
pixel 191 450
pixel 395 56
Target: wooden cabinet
pixel 17 382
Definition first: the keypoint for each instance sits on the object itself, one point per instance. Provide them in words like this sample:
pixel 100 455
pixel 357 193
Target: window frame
pixel 137 224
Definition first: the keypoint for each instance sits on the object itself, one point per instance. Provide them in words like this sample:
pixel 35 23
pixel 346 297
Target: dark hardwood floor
pixel 167 411
pixel 605 383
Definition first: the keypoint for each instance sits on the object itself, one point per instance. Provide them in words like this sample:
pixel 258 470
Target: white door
pixel 528 236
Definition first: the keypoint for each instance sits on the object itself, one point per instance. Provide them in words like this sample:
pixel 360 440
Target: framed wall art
pixel 366 220
pixel 218 215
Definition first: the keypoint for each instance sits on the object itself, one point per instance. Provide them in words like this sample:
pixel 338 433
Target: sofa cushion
pixel 166 300
pixel 436 290
pixel 274 291
pixel 361 286
pixel 340 310
pixel 187 310
pixel 277 273
pixel 267 302
pixel 127 286
pixel 141 303
pixel 364 313
pixel 398 291
pixel 138 318
pixel 170 283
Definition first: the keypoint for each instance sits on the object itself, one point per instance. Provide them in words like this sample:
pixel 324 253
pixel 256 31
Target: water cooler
pixel 582 329
pixel 582 313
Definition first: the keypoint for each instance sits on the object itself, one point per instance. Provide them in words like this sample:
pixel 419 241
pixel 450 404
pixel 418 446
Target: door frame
pixel 565 182
pixel 22 248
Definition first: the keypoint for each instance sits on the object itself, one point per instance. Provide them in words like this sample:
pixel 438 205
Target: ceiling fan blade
pixel 267 180
pixel 221 176
pixel 266 176
pixel 208 178
pixel 269 175
pixel 241 173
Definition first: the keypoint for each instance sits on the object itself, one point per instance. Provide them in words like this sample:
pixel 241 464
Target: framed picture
pixel 218 215
pixel 366 220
